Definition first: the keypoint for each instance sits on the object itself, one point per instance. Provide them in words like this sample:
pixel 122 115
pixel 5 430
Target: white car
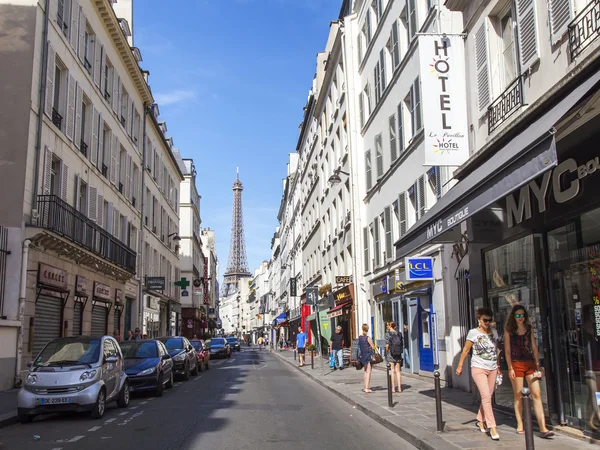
pixel 74 374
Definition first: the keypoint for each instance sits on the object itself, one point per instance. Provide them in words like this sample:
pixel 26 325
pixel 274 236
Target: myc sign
pixel 419 268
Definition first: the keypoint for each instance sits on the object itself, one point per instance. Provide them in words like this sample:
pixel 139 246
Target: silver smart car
pixel 74 374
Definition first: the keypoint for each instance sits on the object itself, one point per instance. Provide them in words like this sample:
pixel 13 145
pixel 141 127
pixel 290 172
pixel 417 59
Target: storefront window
pixel 511 279
pixel 385 316
pixel 574 255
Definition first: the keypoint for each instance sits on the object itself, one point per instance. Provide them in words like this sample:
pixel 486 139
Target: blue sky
pixel 231 78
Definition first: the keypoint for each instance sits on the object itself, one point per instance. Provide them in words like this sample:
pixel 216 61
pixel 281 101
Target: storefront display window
pixel 385 316
pixel 511 278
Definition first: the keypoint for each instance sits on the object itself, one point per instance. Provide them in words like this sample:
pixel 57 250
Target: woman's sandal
pixel 521 432
pixel 481 427
pixel 367 391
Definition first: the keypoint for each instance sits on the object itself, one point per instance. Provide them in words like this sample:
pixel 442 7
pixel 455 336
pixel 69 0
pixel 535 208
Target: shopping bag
pixel 331 361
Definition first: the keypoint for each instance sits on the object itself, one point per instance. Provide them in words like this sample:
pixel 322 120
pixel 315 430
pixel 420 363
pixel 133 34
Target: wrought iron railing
pixel 58 216
pixel 584 29
pixel 506 104
pixel 56 118
pixel 83 148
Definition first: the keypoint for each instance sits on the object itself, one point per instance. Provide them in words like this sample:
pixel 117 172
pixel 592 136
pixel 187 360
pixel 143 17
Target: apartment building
pixel 258 299
pixel 524 205
pixel 162 180
pixel 211 270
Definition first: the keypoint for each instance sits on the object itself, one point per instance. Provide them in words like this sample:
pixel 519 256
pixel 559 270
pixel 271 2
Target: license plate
pixel 54 400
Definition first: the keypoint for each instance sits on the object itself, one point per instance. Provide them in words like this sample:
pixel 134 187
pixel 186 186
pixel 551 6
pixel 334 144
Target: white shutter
pixel 387 219
pixel 93 144
pixel 421 197
pixel 527 31
pixel 130 120
pixel 115 91
pixel 379 155
pixel 64 181
pixel 115 225
pixel 402 224
pixel 376 249
pixel 130 178
pixel 73 32
pixel 70 116
pixel 101 157
pixel 482 66
pixel 53 12
pixel 126 180
pixel 97 61
pixel 81 38
pixel 102 71
pixel 124 226
pixel 368 169
pixel 77 199
pixel 561 13
pixel 100 210
pixel 78 101
pixel 114 163
pixel 50 68
pixel 108 220
pixel 366 255
pixel 47 186
pixel 92 195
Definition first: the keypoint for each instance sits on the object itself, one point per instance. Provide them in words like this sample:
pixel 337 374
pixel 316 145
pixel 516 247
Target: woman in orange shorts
pixel 522 358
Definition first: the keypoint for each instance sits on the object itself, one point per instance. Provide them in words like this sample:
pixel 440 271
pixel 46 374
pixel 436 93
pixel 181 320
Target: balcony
pixel 584 29
pixel 506 104
pixel 61 218
pixel 56 119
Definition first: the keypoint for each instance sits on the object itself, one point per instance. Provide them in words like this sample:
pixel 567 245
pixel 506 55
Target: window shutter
pixel 115 91
pixel 47 187
pixel 527 31
pixel 64 181
pixel 361 108
pixel 92 194
pixel 70 116
pixel 115 224
pixel 376 250
pixel 387 218
pixel 101 156
pixel 114 163
pixel 366 248
pixel 109 221
pixel 561 13
pixel 400 136
pixel 81 43
pixel 402 225
pixel 418 114
pixel 100 210
pixel 359 47
pixel 93 145
pixel 128 177
pixel 377 80
pixel 368 169
pixel 124 225
pixel 97 62
pixel 413 116
pixel 102 71
pixel 412 19
pixel 131 115
pixel 78 100
pixel 392 129
pixel 438 181
pixel 395 46
pixel 53 13
pixel 379 155
pixel 76 201
pixel 482 67
pixel 73 33
pixel 50 81
pixel 422 199
pixel 382 66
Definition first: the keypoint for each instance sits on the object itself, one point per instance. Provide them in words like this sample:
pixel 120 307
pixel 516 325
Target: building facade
pixel 211 296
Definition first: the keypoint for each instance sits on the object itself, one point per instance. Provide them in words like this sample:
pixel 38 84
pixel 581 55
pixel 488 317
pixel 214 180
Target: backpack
pixel 396 345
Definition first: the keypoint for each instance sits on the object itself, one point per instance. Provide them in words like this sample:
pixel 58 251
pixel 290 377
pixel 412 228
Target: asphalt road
pixel 250 401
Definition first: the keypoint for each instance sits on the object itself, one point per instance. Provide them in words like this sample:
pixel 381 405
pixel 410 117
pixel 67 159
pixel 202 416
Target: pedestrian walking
pixel 394 350
pixel 130 335
pixel 301 346
pixel 117 335
pixel 522 358
pixel 366 348
pixel 260 343
pixel 137 336
pixel 484 367
pixel 281 343
pixel 336 344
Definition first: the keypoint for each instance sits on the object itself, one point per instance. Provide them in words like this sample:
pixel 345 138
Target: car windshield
pixel 141 349
pixel 173 344
pixel 196 344
pixel 232 340
pixel 61 352
pixel 216 342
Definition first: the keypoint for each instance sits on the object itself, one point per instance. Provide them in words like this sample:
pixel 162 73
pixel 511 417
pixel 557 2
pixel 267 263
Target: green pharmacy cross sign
pixel 183 283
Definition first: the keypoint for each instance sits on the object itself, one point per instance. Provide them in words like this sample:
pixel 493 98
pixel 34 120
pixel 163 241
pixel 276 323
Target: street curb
pixel 430 442
pixel 8 419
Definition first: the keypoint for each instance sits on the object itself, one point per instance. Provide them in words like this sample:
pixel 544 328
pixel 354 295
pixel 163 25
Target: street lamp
pixel 175 237
pixel 335 177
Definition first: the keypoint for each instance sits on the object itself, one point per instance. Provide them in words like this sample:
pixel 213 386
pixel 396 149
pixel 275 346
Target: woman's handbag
pixel 376 358
pixel 358 365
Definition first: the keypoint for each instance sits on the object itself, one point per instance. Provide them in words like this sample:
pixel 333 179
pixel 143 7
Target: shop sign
pixel 564 188
pixel 334 314
pixel 81 286
pixel 343 279
pixel 312 295
pixel 101 291
pixel 52 276
pixel 190 323
pixel 420 268
pixel 594 258
pixel 155 283
pixel 293 291
pixel 118 296
pixel 384 285
pixel 443 100
pixel 185 293
pixel 520 277
pixel 344 295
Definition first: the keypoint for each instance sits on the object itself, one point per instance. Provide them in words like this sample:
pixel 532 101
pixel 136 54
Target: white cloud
pixel 173 97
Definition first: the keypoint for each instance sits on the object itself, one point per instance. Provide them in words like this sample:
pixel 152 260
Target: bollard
pixel 389 382
pixel 438 401
pixel 527 422
pixel 312 360
pixel 294 354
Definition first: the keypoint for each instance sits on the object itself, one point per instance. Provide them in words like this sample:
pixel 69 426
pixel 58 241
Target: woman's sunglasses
pixel 519 316
pixel 486 320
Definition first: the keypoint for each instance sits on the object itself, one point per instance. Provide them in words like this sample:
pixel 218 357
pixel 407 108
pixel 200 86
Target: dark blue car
pixel 219 348
pixel 148 366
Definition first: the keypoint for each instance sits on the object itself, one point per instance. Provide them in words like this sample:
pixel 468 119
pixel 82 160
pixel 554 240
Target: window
pixel 359 44
pixel 368 180
pixel 367 93
pixel 412 19
pixel 106 142
pixel 366 254
pixel 62 15
pixel 387 223
pixel 55 177
pixel 82 205
pixel 377 9
pixel 124 106
pixel 367 28
pixel 376 247
pixel 361 107
pixel 508 62
pixel 415 107
pixel 86 125
pixel 379 155
pixel 88 52
pixel 393 46
pixel 382 70
pixel 392 130
pixel 377 78
pixel 108 79
pixel 123 171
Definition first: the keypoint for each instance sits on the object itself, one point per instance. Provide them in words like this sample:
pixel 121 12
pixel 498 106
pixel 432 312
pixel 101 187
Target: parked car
pixel 74 374
pixel 219 347
pixel 148 366
pixel 234 343
pixel 185 361
pixel 202 352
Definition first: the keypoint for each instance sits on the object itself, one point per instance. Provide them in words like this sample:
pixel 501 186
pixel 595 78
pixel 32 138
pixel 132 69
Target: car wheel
pixel 159 387
pixel 25 418
pixel 186 372
pixel 123 400
pixel 195 371
pixel 99 406
pixel 170 382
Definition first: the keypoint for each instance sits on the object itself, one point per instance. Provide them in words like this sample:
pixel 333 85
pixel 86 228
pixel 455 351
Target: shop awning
pixel 336 311
pixel 523 159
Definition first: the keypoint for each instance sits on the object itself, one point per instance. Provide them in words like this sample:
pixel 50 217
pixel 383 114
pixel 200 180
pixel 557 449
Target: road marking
pixel 110 420
pixel 76 438
pixel 126 421
pixel 57 448
pixel 95 428
pixel 177 384
pixel 143 403
pixel 124 413
pixel 133 407
pixel 150 399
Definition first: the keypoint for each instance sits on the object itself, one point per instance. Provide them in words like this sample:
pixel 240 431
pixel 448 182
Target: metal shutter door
pixel 77 319
pixel 99 317
pixel 47 322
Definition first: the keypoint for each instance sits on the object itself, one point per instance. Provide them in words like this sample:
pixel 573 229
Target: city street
pixel 250 401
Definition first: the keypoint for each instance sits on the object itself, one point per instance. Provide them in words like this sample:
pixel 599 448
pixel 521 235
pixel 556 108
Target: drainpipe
pixel 141 237
pixel 22 295
pixel 41 104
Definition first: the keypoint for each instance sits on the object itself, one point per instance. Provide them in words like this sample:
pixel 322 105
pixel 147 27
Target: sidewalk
pixel 8 407
pixel 413 416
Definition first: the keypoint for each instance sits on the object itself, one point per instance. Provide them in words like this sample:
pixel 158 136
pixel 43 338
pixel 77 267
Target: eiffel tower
pixel 237 266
